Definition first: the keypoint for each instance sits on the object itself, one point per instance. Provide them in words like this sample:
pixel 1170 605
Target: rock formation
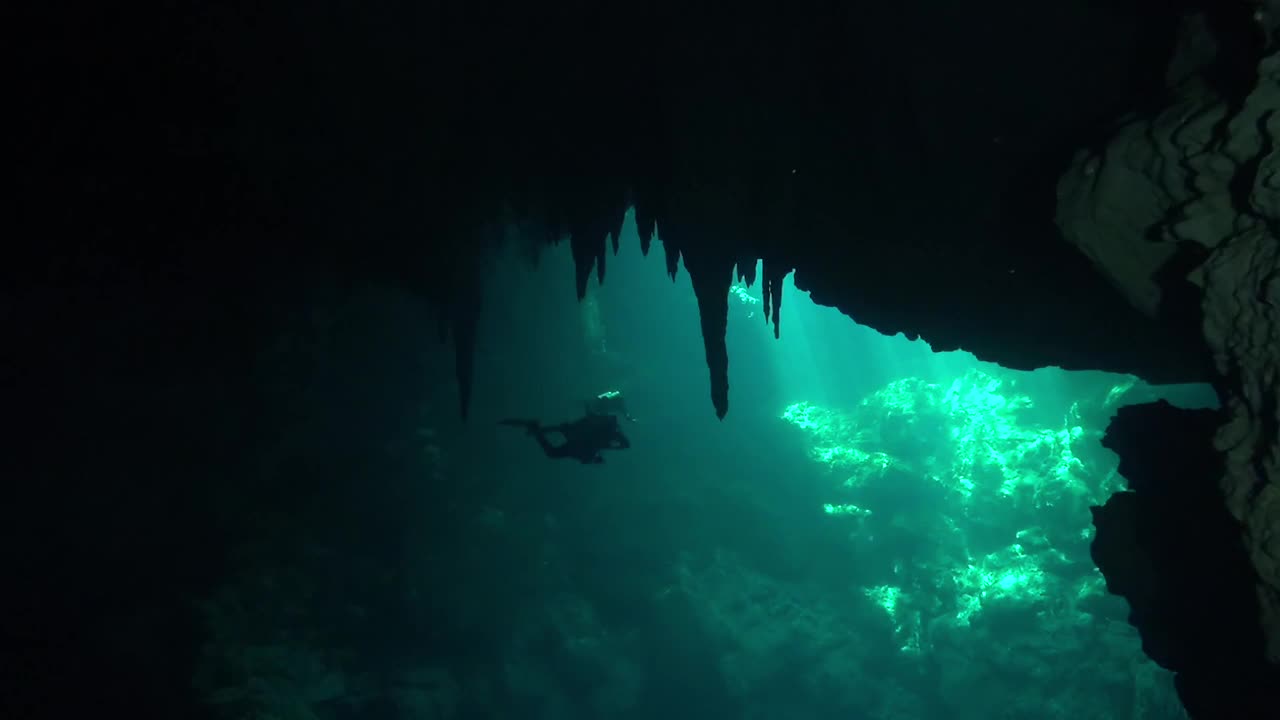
pixel 187 173
pixel 1181 211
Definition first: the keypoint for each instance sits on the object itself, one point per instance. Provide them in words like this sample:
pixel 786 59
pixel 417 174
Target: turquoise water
pixel 874 531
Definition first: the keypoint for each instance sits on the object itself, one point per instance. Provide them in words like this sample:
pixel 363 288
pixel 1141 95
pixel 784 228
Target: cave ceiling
pixel 901 158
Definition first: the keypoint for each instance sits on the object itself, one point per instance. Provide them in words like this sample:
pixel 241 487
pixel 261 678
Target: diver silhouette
pixel 609 402
pixel 584 438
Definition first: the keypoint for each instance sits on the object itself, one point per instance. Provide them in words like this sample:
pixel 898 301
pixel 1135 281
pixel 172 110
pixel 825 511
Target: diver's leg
pixel 552 451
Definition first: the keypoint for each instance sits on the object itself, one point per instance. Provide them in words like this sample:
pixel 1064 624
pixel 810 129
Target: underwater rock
pixel 771 634
pixel 974 551
pixel 1182 211
pixel 1191 594
pixel 562 660
pixel 970 438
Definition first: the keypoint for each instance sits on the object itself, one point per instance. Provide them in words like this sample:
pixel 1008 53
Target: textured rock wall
pixel 1181 210
pixel 1237 219
pixel 1192 595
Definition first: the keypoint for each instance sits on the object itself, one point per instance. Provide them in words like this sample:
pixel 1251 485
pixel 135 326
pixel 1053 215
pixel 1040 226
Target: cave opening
pixel 934 501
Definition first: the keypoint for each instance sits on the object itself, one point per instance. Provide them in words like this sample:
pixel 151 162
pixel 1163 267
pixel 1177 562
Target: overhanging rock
pixel 1181 211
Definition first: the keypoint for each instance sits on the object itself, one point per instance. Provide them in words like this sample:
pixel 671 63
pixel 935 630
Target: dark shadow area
pixel 1169 547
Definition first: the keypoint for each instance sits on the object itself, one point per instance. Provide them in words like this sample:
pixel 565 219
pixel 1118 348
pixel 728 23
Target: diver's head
pixel 609 402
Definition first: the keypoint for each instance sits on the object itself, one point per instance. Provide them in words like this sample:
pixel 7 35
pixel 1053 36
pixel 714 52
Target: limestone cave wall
pixel 1180 209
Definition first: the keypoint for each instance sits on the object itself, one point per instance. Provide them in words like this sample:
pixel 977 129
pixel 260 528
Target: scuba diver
pixel 609 402
pixel 586 437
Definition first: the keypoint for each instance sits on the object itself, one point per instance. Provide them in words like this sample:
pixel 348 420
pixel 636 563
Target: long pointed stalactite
pixel 712 275
pixel 459 320
pixel 771 291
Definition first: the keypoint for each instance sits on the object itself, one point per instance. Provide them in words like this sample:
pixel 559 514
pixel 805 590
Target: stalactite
pixel 601 255
pixel 466 316
pixel 615 231
pixel 673 259
pixel 587 242
pixel 459 318
pixel 712 275
pixel 771 287
pixel 646 226
pixel 747 269
pixel 597 223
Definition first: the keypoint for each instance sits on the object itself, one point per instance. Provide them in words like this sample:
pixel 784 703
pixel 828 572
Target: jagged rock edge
pixel 711 273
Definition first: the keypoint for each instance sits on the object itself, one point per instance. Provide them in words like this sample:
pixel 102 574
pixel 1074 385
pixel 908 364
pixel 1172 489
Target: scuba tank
pixel 609 402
